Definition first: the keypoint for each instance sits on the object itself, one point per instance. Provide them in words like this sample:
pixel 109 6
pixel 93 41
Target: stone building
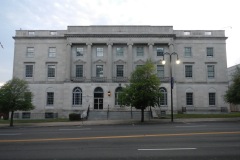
pixel 86 66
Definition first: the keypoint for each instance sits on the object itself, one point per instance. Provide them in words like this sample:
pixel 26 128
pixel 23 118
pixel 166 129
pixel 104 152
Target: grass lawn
pixel 226 115
pixel 35 121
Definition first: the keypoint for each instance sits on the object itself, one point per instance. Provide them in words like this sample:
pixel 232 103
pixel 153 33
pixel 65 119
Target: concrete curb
pixel 121 122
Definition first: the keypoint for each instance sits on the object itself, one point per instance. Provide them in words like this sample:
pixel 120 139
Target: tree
pixel 233 93
pixel 15 95
pixel 143 90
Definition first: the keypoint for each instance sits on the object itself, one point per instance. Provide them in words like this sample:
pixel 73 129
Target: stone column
pixel 89 62
pixel 109 62
pixel 150 51
pixel 130 59
pixel 68 62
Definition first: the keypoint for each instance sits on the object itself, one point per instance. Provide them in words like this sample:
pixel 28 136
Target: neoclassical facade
pixel 86 66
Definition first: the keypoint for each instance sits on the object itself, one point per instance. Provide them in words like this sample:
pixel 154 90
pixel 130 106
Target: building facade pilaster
pixel 68 62
pixel 89 62
pixel 130 59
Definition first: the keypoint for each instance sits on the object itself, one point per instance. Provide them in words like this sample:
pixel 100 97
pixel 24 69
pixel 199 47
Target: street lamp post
pixel 172 79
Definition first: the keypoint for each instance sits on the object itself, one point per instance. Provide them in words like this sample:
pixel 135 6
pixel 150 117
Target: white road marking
pixel 10 134
pixel 79 129
pixel 166 149
pixel 192 126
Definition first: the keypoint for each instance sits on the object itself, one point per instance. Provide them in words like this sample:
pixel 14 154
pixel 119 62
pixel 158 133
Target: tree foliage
pixel 143 90
pixel 14 96
pixel 233 93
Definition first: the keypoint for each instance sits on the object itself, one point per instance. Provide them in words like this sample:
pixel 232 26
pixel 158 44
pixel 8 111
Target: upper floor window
pixel 29 71
pixel 50 98
pixel 52 52
pixel 79 52
pixel 188 71
pixel 120 70
pixel 31 33
pixel 209 51
pixel 30 52
pixel 99 52
pixel 208 33
pixel 211 71
pixel 79 70
pixel 188 52
pixel 140 51
pixel 119 51
pixel 51 71
pixel 53 33
pixel 159 51
pixel 99 70
pixel 189 98
pixel 160 71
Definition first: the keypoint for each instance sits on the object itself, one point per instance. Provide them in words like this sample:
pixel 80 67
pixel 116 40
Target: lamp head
pixel 163 61
pixel 177 61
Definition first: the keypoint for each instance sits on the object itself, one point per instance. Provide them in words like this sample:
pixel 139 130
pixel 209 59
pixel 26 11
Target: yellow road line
pixel 117 137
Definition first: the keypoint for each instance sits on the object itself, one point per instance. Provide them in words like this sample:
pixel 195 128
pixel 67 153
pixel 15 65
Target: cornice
pixel 197 38
pixel 120 35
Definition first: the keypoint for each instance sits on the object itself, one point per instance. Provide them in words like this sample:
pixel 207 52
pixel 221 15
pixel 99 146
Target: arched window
pixel 77 96
pixel 98 98
pixel 163 99
pixel 117 92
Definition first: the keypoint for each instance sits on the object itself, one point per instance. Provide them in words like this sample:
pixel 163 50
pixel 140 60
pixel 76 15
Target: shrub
pixel 74 117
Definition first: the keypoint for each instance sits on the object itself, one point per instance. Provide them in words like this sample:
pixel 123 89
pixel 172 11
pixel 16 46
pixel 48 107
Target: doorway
pixel 98 98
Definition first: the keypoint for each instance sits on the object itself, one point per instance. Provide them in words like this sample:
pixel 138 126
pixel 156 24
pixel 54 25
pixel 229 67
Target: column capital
pixel 88 44
pixel 150 43
pixel 110 43
pixel 129 43
pixel 69 44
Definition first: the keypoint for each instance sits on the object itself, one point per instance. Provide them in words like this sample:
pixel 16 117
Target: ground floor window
pixel 189 99
pixel 212 98
pixel 50 98
pixel 77 96
pixel 163 99
pixel 117 93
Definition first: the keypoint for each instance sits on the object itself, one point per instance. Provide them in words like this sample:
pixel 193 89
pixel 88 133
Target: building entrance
pixel 98 98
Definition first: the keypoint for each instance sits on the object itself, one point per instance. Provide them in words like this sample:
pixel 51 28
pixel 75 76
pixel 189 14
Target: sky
pixel 58 14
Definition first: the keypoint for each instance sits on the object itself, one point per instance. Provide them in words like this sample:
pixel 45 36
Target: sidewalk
pixel 122 122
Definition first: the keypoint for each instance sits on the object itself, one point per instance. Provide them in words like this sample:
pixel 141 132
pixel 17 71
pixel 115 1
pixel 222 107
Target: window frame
pixel 28 73
pixel 119 51
pixel 158 51
pixel 117 93
pixel 99 52
pixel 51 74
pixel 188 73
pixel 211 53
pixel 52 52
pixel 160 71
pixel 187 51
pixel 79 71
pixel 140 51
pixel 79 51
pixel 211 98
pixel 120 71
pixel 77 96
pixel 211 73
pixel 163 101
pixel 189 99
pixel 98 71
pixel 30 52
pixel 50 99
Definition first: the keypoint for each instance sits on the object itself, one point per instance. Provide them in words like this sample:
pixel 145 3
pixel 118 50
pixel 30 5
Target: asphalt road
pixel 208 140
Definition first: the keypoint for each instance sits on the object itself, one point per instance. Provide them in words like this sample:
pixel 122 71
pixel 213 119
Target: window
pixel 26 115
pixel 79 70
pixel 50 98
pixel 188 71
pixel 212 98
pixel 210 70
pixel 189 98
pixel 119 51
pixel 31 33
pixel 51 71
pixel 209 52
pixel 79 52
pixel 77 96
pixel 99 70
pixel 188 52
pixel 119 70
pixel 159 51
pixel 52 52
pixel 29 71
pixel 30 52
pixel 99 52
pixel 117 93
pixel 186 33
pixel 208 33
pixel 163 99
pixel 140 51
pixel 53 33
pixel 160 71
